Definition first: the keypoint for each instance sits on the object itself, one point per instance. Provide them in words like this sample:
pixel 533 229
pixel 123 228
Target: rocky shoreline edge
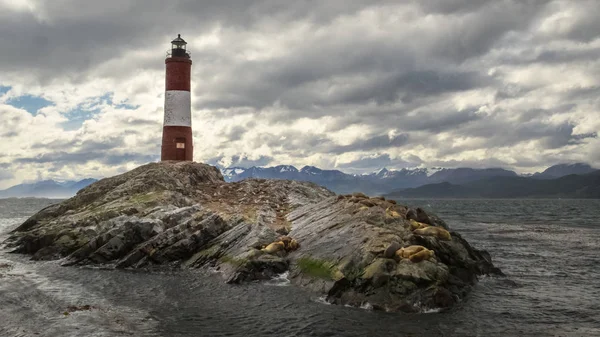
pixel 351 249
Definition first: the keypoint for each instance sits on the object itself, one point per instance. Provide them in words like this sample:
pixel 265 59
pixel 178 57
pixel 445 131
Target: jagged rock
pixel 183 214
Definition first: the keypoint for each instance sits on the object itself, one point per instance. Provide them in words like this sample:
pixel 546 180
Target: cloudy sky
pixel 346 84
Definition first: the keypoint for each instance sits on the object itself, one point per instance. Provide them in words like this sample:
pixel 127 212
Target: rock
pixel 73 308
pixel 377 273
pixel 183 214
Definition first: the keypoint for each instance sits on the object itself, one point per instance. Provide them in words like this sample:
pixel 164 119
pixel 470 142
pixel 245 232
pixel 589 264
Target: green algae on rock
pixel 184 215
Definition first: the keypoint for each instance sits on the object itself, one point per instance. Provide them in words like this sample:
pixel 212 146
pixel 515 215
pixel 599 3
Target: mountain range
pixel 569 186
pixel 386 181
pixel 572 180
pixel 46 189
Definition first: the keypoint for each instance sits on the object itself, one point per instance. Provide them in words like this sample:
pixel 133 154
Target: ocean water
pixel 547 248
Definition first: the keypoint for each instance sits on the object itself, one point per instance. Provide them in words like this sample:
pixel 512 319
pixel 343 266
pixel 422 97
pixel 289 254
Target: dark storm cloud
pixel 439 121
pixel 9 134
pixel 379 73
pixel 551 55
pixel 407 86
pixel 510 91
pixel 500 133
pixel 373 143
pixel 60 157
pixel 409 118
pixel 5 175
pixel 378 161
pixel 452 6
pixel 483 163
pixel 81 146
pixel 588 93
pixel 562 56
pixel 537 113
pixel 47 40
pixel 563 136
pixel 382 71
pixel 119 159
pixel 304 144
pixel 474 32
pixel 297 142
pixel 61 153
pixel 235 132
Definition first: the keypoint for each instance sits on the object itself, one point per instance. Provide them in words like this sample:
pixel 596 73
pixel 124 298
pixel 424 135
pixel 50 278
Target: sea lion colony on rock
pixel 423 229
pixel 283 243
pixel 414 253
pixel 185 214
pixel 420 223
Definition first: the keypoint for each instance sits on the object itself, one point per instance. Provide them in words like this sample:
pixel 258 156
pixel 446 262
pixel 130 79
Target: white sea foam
pixel 430 310
pixel 322 300
pixel 280 280
pixel 366 306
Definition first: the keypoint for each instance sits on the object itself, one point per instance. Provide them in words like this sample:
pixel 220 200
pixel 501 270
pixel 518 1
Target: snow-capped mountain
pixel 377 182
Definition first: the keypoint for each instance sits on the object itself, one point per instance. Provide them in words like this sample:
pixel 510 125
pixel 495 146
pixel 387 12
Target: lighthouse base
pixel 177 143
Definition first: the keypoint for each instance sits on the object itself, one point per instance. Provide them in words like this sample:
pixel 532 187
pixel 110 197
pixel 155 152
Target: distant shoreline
pixel 45 198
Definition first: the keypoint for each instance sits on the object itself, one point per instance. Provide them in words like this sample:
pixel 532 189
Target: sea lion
pixel 438 232
pixel 406 252
pixel 424 254
pixel 392 213
pixel 416 225
pixel 289 244
pixel 411 214
pixel 367 202
pixel 292 245
pixel 423 217
pixel 285 239
pixel 359 195
pixel 274 247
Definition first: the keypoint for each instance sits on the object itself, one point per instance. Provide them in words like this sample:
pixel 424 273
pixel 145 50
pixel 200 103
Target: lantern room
pixel 178 47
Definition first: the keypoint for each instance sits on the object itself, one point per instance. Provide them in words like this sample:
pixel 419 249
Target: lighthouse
pixel 177 125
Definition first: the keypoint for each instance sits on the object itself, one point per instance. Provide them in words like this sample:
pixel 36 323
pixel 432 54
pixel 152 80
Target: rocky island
pixel 353 249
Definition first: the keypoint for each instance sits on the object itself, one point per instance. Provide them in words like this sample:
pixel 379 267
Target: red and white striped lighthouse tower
pixel 177 126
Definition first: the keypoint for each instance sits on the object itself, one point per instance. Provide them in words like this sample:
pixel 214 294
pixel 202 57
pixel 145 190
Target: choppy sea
pixel 547 248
